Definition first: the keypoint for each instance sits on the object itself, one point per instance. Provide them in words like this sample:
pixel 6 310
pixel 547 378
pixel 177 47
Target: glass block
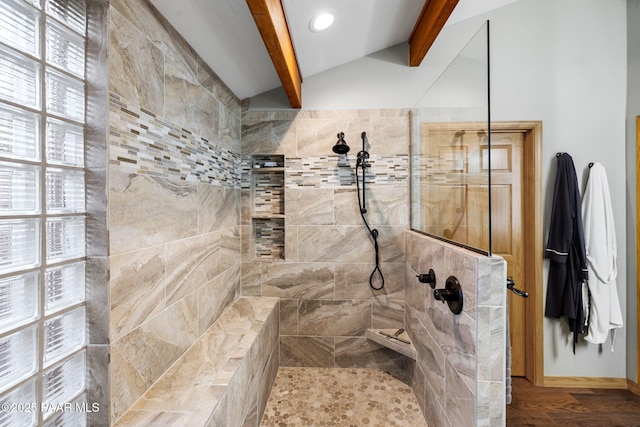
pixel 69 12
pixel 63 335
pixel 65 191
pixel 17 357
pixel 65 143
pixel 64 286
pixel 19 244
pixel 62 383
pixel 65 95
pixel 19 300
pixel 19 133
pixel 76 417
pixel 19 189
pixel 25 393
pixel 19 26
pixel 65 238
pixel 19 79
pixel 65 49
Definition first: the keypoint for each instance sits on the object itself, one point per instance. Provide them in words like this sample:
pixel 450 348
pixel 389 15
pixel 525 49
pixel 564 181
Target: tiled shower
pixel 184 240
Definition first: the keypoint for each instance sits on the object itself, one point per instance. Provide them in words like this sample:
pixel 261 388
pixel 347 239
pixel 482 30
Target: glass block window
pixel 42 211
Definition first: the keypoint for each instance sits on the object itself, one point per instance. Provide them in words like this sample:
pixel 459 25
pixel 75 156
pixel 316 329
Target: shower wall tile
pixel 186 101
pixel 299 280
pixel 216 295
pixel 461 356
pixel 218 207
pixel 334 318
pixel 387 314
pixel 153 27
pixel 309 206
pixel 173 195
pixel 328 253
pixel 307 351
pixel 146 211
pixel 352 281
pixel 358 352
pixel 190 263
pixel 135 64
pixel 288 316
pixel 137 289
pixel 333 244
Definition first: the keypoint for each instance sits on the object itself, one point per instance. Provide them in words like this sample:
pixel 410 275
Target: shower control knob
pixel 451 294
pixel 429 278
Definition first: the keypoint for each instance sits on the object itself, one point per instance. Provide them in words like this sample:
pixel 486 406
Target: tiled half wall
pixel 459 376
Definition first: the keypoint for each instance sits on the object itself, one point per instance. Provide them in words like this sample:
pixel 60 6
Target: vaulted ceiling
pixel 257 45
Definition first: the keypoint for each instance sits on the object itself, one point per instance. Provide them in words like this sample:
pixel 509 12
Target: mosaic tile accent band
pixel 334 171
pixel 144 143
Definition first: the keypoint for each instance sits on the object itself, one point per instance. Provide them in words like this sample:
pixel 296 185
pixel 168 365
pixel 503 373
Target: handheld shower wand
pixel 363 163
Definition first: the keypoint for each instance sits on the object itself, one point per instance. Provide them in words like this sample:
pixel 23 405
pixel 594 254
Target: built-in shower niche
pixel 267 206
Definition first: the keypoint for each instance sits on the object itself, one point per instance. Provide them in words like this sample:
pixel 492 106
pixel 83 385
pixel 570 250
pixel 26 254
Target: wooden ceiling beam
pixel 429 24
pixel 272 24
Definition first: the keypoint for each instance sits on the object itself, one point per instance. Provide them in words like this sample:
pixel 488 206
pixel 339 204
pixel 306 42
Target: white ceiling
pixel 224 34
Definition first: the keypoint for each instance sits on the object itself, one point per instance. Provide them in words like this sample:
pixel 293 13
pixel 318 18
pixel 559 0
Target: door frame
pixel 533 241
pixel 637 249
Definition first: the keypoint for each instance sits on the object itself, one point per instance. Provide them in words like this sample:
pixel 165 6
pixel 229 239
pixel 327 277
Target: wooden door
pixel 508 234
pixel 457 197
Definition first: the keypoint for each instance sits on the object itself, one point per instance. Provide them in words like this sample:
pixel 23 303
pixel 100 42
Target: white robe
pixel 600 241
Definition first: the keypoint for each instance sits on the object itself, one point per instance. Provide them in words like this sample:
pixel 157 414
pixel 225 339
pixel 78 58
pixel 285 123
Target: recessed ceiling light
pixel 321 22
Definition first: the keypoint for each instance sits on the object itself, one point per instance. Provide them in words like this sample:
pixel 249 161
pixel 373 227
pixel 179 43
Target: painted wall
pixel 560 62
pixel 173 198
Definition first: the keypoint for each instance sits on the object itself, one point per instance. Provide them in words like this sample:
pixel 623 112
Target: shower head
pixel 341 146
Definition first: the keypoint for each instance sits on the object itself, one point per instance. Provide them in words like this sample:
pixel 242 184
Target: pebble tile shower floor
pixel 340 397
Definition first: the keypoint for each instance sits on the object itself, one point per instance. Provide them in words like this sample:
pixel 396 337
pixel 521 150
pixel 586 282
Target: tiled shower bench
pixel 223 379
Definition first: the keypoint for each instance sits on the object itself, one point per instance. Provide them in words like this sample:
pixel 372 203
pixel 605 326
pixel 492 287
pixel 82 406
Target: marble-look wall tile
pixel 334 317
pixel 190 263
pixel 137 289
pixel 288 316
pixel 299 280
pixel 352 281
pixel 309 206
pixel 387 314
pixel 386 205
pixel 146 211
pixel 155 28
pixel 145 353
pixel 307 351
pixel 217 295
pixel 391 132
pixel 359 352
pixel 188 102
pixel 269 137
pixel 135 65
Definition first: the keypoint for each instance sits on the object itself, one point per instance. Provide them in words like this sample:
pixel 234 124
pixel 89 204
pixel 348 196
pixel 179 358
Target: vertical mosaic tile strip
pixel 269 238
pixel 268 193
pixel 144 143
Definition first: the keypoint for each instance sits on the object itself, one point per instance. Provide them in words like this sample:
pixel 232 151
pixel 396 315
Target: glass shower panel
pixel 450 151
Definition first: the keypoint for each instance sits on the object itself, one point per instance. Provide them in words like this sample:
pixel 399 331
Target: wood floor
pixel 545 406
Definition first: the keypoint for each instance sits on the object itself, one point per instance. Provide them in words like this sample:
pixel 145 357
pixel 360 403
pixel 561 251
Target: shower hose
pixel 372 232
